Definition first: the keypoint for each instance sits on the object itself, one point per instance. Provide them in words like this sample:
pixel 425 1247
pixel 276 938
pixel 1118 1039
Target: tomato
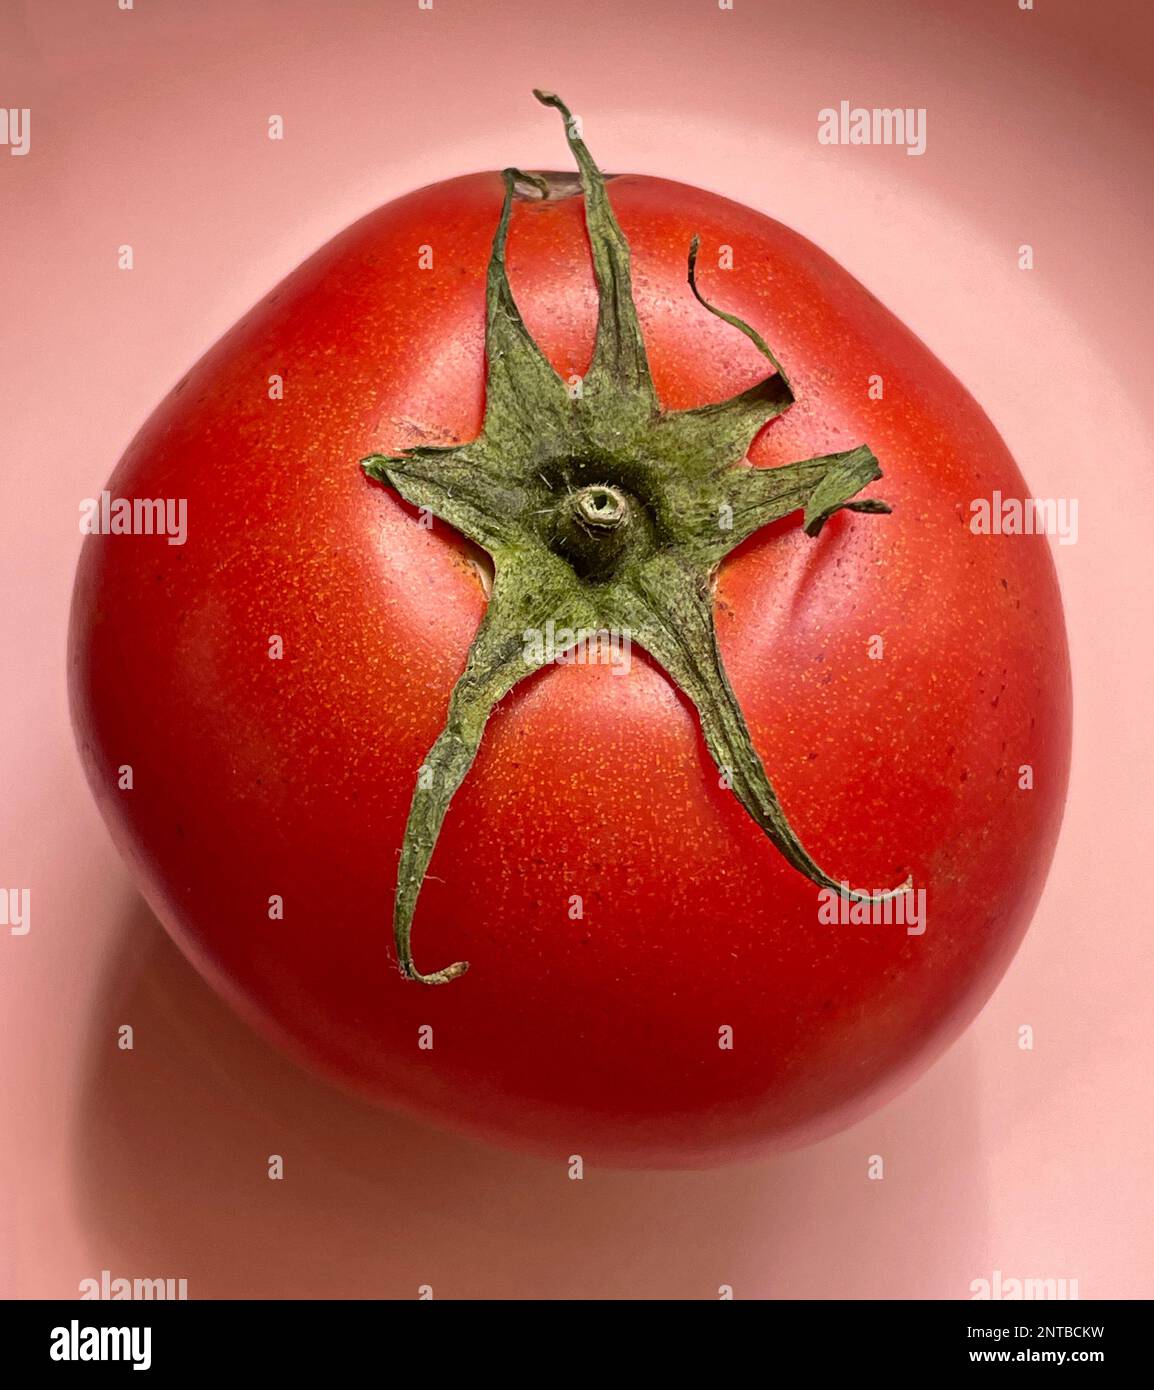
pixel 651 980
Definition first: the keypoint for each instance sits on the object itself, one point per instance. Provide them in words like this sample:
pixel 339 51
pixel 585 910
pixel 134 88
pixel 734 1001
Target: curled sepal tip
pixel 537 181
pixel 740 324
pixel 438 977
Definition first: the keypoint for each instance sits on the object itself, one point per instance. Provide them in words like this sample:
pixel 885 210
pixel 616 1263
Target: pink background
pixel 149 127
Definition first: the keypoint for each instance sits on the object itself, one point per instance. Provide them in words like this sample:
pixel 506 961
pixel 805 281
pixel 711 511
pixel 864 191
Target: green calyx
pixel 604 512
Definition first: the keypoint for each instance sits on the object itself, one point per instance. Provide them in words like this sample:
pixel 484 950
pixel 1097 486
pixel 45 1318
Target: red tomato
pixel 619 909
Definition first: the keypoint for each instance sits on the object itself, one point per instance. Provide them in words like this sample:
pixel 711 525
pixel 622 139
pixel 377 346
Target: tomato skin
pixel 594 1033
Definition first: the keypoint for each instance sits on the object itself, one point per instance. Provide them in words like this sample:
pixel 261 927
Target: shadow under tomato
pixel 172 1152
